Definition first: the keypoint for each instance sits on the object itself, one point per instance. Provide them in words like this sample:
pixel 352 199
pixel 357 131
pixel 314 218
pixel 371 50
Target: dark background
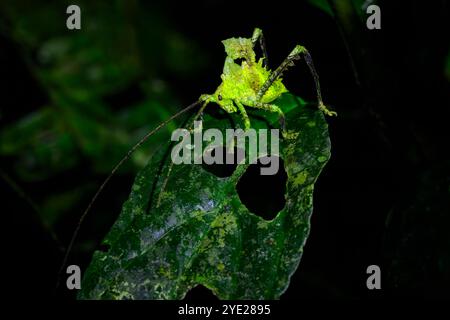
pixel 73 102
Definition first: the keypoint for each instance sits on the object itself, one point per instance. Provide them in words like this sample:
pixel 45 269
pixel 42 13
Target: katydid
pixel 246 82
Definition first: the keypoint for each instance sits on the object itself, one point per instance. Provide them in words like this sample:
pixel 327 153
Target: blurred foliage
pixel 104 87
pixel 423 222
pixel 357 6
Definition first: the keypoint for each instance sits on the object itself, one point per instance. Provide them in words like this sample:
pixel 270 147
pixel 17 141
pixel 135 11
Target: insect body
pixel 251 83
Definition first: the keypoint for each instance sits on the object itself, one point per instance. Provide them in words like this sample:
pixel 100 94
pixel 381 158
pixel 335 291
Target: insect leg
pixel 258 35
pixel 244 114
pixel 296 54
pixel 271 108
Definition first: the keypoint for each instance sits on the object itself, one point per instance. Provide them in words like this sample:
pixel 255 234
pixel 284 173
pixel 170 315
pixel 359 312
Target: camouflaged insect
pixel 251 83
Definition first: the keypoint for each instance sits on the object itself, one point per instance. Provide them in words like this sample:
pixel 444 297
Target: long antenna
pixel 169 170
pixel 105 182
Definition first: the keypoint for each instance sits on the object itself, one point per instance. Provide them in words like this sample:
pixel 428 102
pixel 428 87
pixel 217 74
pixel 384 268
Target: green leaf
pixel 88 77
pixel 203 234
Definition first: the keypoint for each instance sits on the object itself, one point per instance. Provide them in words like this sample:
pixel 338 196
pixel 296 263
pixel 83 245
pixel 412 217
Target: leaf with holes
pixel 203 233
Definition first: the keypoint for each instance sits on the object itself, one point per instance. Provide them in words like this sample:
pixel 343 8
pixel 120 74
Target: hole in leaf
pixel 263 195
pixel 200 292
pixel 223 170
